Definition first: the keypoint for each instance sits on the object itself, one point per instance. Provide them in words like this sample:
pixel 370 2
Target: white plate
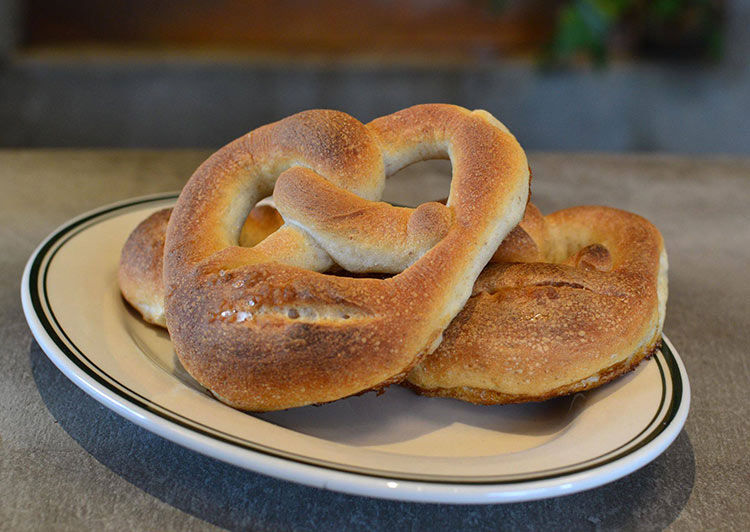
pixel 396 446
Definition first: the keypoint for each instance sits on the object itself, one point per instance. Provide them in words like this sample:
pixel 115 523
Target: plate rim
pixel 321 476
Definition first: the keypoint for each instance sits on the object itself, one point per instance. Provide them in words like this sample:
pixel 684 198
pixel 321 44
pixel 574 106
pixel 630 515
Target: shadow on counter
pixel 236 499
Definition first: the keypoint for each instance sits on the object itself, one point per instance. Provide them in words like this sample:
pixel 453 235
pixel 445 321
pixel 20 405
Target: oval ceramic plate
pixel 397 445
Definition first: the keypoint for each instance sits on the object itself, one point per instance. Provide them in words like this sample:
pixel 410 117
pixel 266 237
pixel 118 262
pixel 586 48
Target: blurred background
pixel 584 75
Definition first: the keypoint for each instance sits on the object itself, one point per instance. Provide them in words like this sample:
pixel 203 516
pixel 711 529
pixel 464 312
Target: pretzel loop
pixel 260 326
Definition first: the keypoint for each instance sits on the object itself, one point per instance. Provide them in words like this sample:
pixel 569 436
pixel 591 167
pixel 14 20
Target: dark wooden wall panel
pixel 327 26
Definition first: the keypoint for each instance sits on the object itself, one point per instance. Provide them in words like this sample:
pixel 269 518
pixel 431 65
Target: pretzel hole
pixel 434 177
pixel 261 222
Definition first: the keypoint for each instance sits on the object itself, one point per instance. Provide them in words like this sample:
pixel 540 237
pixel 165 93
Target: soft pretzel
pixel 260 326
pixel 578 299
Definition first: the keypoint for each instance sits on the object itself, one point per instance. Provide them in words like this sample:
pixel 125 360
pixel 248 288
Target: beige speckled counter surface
pixel 67 463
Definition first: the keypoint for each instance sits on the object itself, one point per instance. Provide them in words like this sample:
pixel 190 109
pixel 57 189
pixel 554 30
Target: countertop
pixel 67 463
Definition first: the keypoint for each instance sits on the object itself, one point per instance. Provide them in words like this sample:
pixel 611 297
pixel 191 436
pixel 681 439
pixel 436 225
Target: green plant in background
pixel 594 30
pixel 584 28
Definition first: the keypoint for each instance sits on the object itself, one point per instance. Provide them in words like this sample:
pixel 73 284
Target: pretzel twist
pixel 260 326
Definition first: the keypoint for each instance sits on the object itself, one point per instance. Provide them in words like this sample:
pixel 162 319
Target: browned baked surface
pixel 588 310
pixel 140 271
pixel 261 327
pixel 487 396
pixel 142 258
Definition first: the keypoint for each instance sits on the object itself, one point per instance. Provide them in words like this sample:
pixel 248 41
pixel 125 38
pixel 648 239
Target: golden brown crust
pixel 483 396
pixel 140 271
pixel 261 327
pixel 536 330
pixel 142 258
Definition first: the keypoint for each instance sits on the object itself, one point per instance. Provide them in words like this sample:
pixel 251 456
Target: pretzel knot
pixel 264 327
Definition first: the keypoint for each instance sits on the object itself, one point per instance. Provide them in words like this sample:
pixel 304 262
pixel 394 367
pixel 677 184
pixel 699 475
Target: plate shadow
pixel 236 499
pixel 401 415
